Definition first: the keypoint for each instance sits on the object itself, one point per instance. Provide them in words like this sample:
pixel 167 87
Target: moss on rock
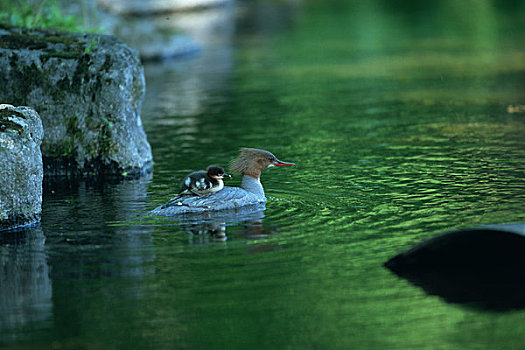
pixel 88 90
pixel 8 120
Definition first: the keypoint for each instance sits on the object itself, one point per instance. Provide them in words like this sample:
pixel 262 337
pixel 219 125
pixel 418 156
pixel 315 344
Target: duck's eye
pixel 271 159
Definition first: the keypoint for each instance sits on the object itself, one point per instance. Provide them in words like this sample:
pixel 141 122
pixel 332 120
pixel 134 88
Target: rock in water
pixel 482 267
pixel 144 8
pixel 21 169
pixel 88 90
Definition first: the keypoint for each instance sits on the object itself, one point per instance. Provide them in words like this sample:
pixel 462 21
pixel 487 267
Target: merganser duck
pixel 203 182
pixel 250 163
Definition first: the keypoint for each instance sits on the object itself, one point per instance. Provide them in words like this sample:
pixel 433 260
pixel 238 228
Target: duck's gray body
pixel 250 163
pixel 251 193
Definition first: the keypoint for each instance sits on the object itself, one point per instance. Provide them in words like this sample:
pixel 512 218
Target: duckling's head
pixel 251 161
pixel 216 172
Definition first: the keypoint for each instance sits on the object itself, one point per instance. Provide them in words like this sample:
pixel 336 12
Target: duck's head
pixel 252 161
pixel 216 172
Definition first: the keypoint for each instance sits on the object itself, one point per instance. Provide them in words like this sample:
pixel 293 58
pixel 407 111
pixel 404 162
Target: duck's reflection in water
pixel 212 226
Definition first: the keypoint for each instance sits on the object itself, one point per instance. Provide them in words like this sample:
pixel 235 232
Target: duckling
pixel 250 163
pixel 203 182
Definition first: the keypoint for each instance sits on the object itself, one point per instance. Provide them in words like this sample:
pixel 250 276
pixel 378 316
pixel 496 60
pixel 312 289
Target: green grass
pixel 46 14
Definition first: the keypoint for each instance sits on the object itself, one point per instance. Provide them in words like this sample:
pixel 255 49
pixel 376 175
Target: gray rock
pixel 150 36
pixel 88 90
pixel 141 7
pixel 21 169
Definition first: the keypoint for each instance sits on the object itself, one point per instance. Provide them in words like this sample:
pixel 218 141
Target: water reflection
pixel 72 211
pixel 213 225
pixel 482 267
pixel 84 240
pixel 24 281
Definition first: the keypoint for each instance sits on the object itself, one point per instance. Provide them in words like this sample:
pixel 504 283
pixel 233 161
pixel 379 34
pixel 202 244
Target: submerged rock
pixel 482 267
pixel 88 90
pixel 21 170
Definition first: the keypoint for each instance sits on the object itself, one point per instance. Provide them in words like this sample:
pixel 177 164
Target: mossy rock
pixel 88 90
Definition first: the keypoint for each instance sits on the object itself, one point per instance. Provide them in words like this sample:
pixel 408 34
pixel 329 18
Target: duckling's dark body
pixel 203 182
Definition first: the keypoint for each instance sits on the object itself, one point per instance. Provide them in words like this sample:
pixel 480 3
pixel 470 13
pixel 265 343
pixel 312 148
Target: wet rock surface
pixel 88 90
pixel 21 169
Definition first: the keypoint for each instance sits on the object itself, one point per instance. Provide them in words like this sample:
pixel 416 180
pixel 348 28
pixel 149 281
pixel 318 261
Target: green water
pixel 397 118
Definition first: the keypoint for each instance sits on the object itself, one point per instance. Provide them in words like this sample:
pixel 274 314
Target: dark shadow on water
pixel 483 268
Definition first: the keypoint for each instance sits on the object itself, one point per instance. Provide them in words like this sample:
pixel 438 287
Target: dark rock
pixel 88 90
pixel 21 170
pixel 482 267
